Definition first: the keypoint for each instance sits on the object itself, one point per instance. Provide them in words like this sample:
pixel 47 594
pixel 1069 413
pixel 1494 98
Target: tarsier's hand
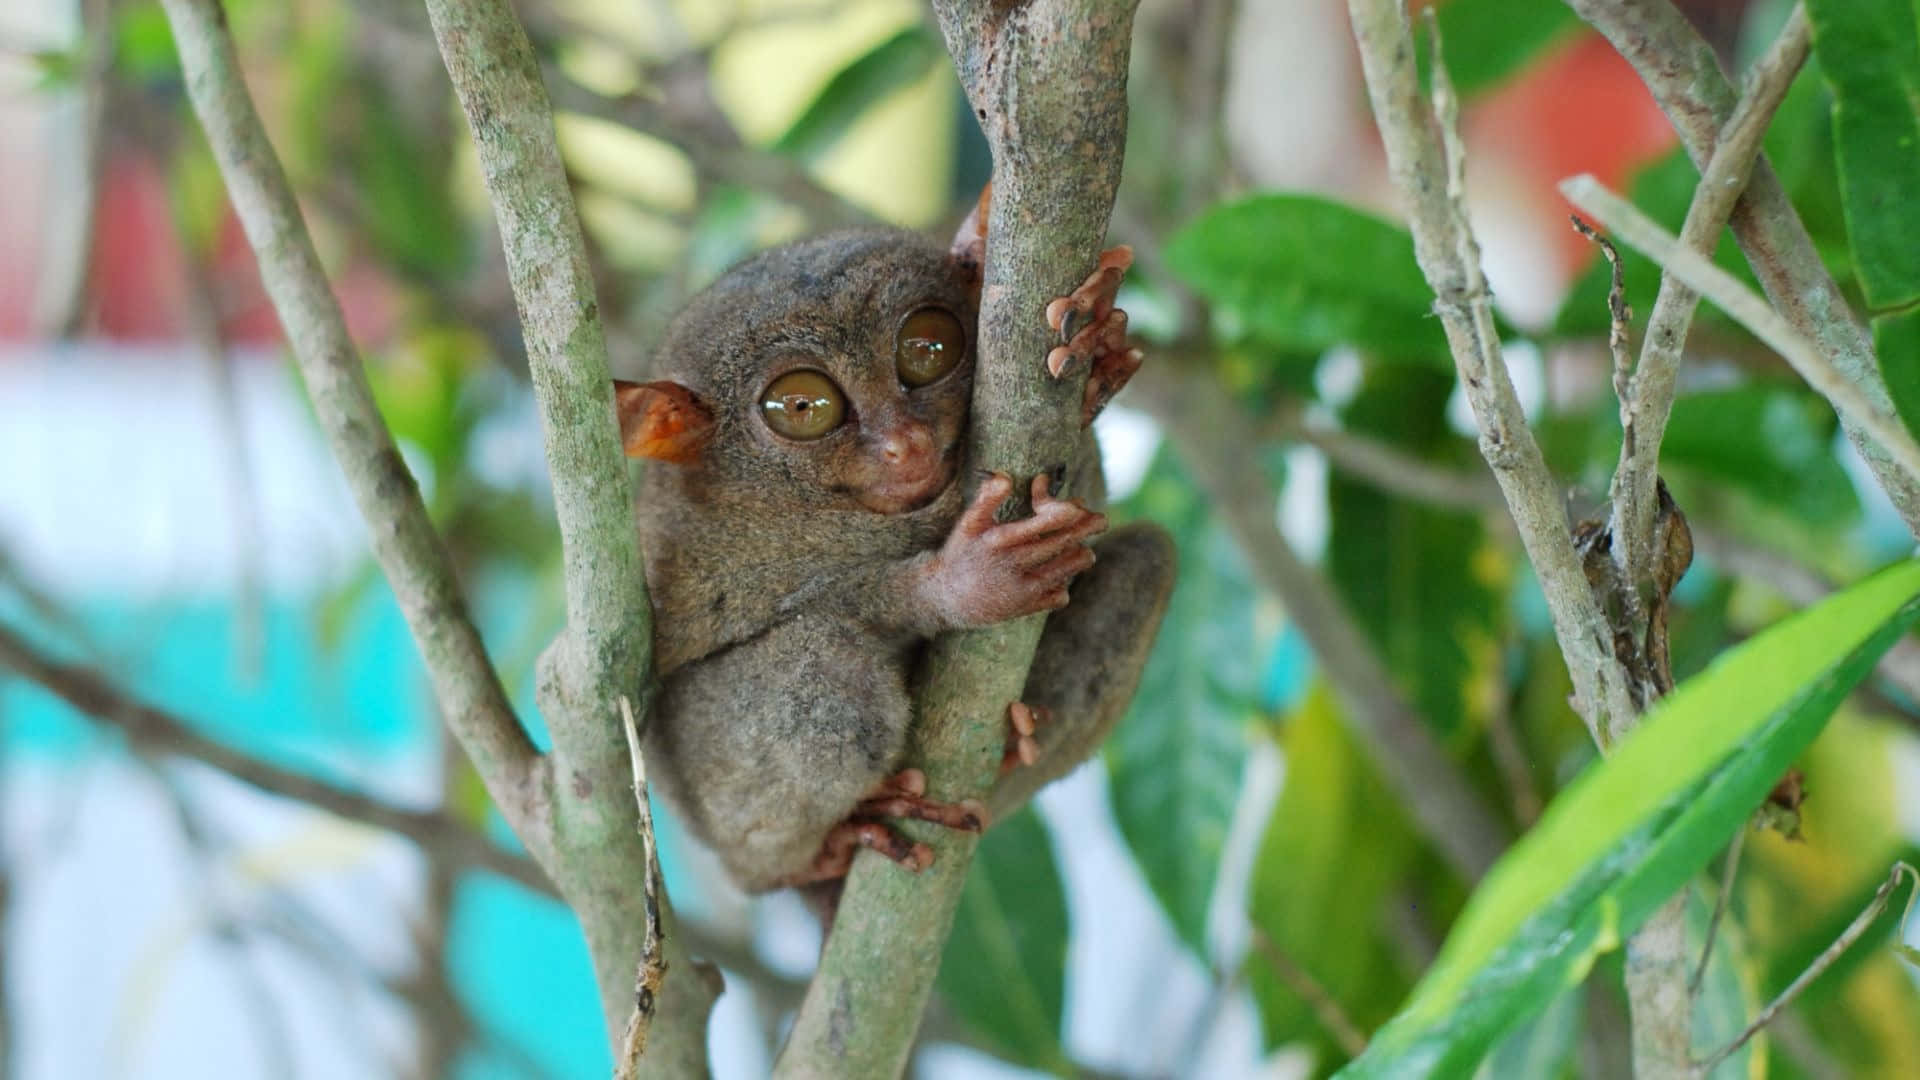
pixel 1094 332
pixel 988 572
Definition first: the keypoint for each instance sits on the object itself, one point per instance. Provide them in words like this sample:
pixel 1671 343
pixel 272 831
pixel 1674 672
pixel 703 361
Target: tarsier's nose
pixel 906 443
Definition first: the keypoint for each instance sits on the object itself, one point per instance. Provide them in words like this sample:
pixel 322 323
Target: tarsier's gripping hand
pixel 988 572
pixel 1094 331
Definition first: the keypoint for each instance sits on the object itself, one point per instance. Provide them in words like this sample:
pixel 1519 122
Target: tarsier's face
pixel 889 436
pixel 844 367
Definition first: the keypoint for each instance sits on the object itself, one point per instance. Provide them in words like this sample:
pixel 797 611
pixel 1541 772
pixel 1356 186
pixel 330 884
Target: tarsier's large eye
pixel 931 341
pixel 803 405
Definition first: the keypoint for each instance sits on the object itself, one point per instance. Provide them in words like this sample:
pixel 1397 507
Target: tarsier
pixel 810 522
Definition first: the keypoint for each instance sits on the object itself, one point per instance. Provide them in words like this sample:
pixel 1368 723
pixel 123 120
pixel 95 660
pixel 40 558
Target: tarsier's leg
pixel 1090 657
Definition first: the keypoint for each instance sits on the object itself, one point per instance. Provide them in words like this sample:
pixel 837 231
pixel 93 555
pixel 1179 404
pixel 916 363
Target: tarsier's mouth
pixel 904 492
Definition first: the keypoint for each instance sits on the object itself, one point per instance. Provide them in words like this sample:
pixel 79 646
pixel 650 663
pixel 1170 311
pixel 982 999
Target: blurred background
pixel 1192 905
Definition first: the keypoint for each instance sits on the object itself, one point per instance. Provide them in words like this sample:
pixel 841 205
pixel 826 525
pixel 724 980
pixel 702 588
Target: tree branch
pixel 1681 71
pixel 1419 154
pixel 1212 438
pixel 1848 398
pixel 403 538
pixel 605 652
pixel 1047 79
pixel 155 730
pixel 1649 400
pixel 718 155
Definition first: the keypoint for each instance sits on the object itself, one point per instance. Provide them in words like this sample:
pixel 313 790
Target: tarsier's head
pixel 835 372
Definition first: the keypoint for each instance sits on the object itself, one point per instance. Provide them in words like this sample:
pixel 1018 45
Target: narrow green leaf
pixel 1870 52
pixel 896 62
pixel 1633 828
pixel 1334 848
pixel 1300 272
pixel 1487 41
pixel 1175 760
pixel 1004 967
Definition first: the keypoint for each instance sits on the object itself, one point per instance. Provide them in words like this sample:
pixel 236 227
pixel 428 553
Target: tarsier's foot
pixel 837 850
pixel 1093 331
pixel 904 795
pixel 1022 748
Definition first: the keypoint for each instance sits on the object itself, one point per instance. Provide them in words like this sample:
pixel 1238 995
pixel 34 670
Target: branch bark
pixel 1047 80
pixel 1876 423
pixel 1419 155
pixel 1649 401
pixel 604 654
pixel 403 538
pixel 1684 76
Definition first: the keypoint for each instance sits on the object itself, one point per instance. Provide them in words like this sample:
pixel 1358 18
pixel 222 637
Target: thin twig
pixel 717 155
pixel 652 968
pixel 1420 151
pixel 158 731
pixel 1325 1009
pixel 402 536
pixel 1647 403
pixel 1388 467
pixel 1634 553
pixel 72 220
pixel 1854 931
pixel 1683 74
pixel 1728 869
pixel 1749 310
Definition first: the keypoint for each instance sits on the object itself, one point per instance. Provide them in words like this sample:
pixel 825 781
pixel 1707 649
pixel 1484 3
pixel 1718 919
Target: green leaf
pixel 1004 967
pixel 1870 52
pixel 1728 997
pixel 897 62
pixel 1334 849
pixel 1421 581
pixel 1770 442
pixel 1540 1048
pixel 1896 341
pixel 1175 761
pixel 1632 829
pixel 1299 272
pixel 1486 41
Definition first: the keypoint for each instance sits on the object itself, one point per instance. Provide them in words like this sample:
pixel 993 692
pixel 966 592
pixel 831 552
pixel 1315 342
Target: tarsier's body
pixel 812 523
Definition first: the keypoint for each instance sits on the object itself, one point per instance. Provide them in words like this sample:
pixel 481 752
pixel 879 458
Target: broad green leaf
pixel 1486 41
pixel 1540 1048
pixel 1175 760
pixel 1632 829
pixel 1300 272
pixel 1334 849
pixel 897 62
pixel 1004 967
pixel 1422 581
pixel 1768 441
pixel 1870 52
pixel 1728 997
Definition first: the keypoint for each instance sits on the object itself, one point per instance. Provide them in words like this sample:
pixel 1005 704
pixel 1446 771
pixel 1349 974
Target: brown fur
pixel 794 584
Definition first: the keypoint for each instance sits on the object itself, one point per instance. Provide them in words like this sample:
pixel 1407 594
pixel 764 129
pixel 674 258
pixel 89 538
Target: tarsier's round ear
pixel 661 421
pixel 970 241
